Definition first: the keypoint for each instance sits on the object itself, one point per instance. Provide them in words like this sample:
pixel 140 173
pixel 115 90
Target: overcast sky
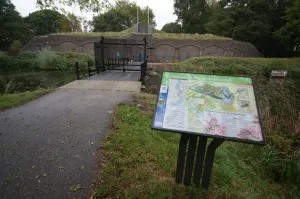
pixel 163 9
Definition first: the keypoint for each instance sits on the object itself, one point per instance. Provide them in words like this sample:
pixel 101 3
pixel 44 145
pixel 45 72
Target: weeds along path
pixel 49 147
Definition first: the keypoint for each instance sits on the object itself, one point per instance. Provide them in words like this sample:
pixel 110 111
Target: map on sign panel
pixel 205 104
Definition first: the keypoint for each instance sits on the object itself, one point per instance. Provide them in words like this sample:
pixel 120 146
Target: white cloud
pixel 163 9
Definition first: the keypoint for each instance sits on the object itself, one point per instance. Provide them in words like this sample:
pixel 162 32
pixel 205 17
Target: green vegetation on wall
pixel 44 59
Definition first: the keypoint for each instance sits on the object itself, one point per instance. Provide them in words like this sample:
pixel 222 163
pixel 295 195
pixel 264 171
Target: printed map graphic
pixel 214 97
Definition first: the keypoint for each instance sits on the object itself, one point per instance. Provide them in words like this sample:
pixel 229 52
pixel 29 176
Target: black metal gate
pixel 121 54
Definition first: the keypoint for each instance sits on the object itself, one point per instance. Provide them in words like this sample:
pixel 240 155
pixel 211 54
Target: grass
pixel 95 34
pixel 140 163
pixel 189 36
pixel 156 33
pixel 12 100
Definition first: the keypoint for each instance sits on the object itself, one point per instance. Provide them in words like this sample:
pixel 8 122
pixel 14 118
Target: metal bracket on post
pixel 187 166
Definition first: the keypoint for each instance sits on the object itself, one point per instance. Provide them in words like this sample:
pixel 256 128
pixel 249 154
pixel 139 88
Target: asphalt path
pixel 50 147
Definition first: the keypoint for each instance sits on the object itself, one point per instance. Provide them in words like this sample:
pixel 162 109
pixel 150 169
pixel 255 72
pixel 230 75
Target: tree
pixel 75 22
pixel 121 16
pixel 12 26
pixel 192 14
pixel 71 23
pixel 87 5
pixel 15 47
pixel 45 22
pixel 172 27
pixel 245 20
pixel 289 33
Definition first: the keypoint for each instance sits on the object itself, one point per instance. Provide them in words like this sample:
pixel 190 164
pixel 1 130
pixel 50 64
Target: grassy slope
pixel 157 34
pixel 141 163
pixel 13 100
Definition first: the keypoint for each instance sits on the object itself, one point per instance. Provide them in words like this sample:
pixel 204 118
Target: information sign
pixel 209 105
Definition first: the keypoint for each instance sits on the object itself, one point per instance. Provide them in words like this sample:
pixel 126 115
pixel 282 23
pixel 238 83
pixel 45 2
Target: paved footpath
pixel 53 143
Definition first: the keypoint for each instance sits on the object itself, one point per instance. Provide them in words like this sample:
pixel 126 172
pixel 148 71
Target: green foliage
pixel 271 26
pixel 9 62
pixel 12 26
pixel 84 5
pixel 250 22
pixel 193 14
pixel 172 27
pixel 290 32
pixel 75 22
pixel 13 100
pixel 23 80
pixel 156 33
pixel 141 163
pixel 51 60
pixel 44 22
pixel 189 36
pixel 48 59
pixel 44 59
pixel 121 16
pixel 15 48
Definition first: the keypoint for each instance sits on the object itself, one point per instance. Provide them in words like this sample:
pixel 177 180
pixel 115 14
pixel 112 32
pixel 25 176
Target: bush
pixel 15 48
pixel 45 59
pixel 10 62
pixel 51 60
pixel 27 55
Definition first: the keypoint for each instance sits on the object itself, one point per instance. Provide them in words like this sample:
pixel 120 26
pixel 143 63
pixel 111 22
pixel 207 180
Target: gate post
pixel 97 66
pixel 89 68
pixel 102 54
pixel 77 70
pixel 145 48
pixel 123 65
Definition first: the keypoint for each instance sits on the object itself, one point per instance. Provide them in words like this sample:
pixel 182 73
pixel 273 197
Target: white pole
pixel 137 19
pixel 148 20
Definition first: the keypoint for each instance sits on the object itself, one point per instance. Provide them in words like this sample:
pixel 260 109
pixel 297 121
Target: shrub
pixel 5 61
pixel 15 48
pixel 27 55
pixel 16 62
pixel 46 59
pixel 51 60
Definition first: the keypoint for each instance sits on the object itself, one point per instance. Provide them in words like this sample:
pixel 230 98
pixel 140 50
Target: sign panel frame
pixel 262 142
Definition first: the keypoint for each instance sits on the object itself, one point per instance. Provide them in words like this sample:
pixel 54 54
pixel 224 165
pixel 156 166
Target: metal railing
pixel 144 67
pixel 86 71
pixel 115 64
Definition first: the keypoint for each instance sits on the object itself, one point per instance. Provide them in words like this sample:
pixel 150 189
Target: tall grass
pixel 139 162
pixel 279 106
pixel 51 60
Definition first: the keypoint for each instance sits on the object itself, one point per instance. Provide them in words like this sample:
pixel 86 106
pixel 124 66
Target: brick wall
pixel 159 50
